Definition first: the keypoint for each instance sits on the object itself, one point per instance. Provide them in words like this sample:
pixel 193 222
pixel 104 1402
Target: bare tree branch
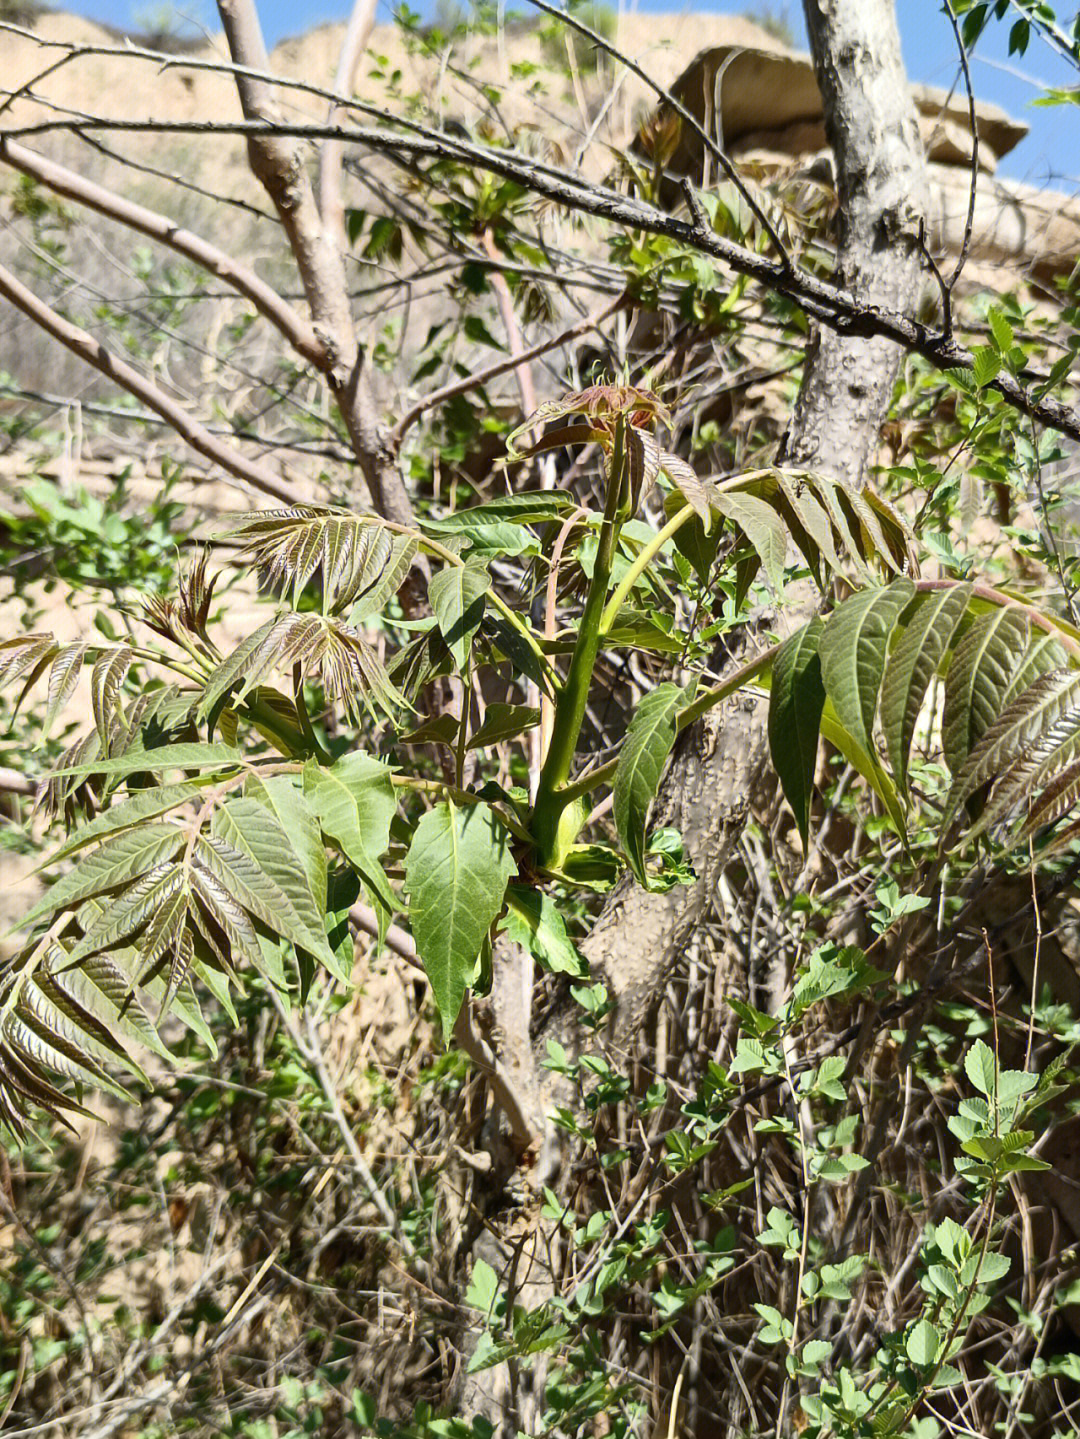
pixel 13 781
pixel 973 124
pixel 357 34
pixel 492 372
pixel 80 342
pixel 62 181
pixel 279 167
pixel 505 302
pixel 574 23
pixel 833 306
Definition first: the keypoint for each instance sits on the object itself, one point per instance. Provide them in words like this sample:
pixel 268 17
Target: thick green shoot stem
pixel 551 797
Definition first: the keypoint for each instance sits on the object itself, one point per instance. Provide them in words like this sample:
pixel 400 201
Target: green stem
pixel 152 657
pixel 463 722
pixel 604 773
pixel 551 674
pixel 570 705
pixel 657 543
pixel 735 681
pixel 460 796
pixel 511 616
pixel 646 556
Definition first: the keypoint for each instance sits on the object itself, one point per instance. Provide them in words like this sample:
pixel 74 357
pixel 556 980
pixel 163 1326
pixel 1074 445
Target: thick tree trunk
pixel 882 191
pixel 841 405
pixel 278 164
pixel 721 762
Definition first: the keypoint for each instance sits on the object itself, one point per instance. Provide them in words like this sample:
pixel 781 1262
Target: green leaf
pixel 1059 796
pixel 252 857
pixel 994 1267
pixel 143 804
pixel 232 668
pixel 280 795
pixel 502 537
pixel 503 722
pixel 1028 718
pixel 866 764
pixel 99 987
pixel 633 629
pixel 649 738
pixel 912 665
pixel 526 507
pixel 980 1066
pixel 592 866
pixel 1025 1163
pixel 853 652
pixel 981 671
pixel 1044 653
pixel 166 756
pixel 812 525
pixel 922 1343
pixel 796 700
pixel 761 525
pixel 503 636
pixel 62 681
pixel 455 875
pixel 84 1035
pixel 483 1287
pixel 478 332
pixel 125 856
pixel 699 494
pixel 457 594
pixel 1000 328
pixel 105 680
pixel 693 540
pixel 373 601
pixel 533 921
pixel 439 729
pixel 816 1352
pixel 152 894
pixel 986 362
pixel 355 803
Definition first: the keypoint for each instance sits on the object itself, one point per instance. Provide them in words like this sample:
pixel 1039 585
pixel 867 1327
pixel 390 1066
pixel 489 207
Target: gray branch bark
pixel 830 305
pixel 883 192
pixel 62 181
pixel 80 342
pixel 278 164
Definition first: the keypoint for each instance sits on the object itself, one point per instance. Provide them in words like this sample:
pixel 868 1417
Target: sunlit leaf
pixel 455 875
pixel 649 739
pixel 796 699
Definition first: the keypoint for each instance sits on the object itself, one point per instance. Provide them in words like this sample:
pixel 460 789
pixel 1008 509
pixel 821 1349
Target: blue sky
pixel 1049 155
